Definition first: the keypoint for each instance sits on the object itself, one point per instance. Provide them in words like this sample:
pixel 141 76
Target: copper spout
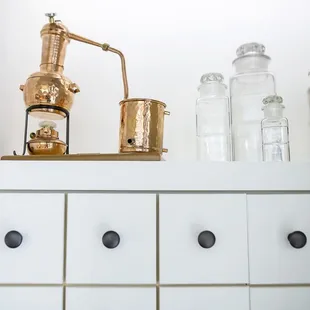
pixel 106 47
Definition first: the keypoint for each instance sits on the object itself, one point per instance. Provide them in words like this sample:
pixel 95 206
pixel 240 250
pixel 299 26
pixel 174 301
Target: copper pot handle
pixel 74 88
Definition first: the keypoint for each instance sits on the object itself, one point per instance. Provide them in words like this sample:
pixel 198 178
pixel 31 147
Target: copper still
pixel 49 88
pixel 48 94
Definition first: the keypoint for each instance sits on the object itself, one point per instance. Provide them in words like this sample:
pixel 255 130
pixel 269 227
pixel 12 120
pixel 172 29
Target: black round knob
pixel 13 239
pixel 206 239
pixel 111 239
pixel 297 239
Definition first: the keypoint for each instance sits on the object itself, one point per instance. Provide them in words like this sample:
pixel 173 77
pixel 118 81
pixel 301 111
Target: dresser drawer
pixel 31 298
pixel 111 238
pixel 203 238
pixel 32 235
pixel 280 298
pixel 279 226
pixel 201 298
pixel 98 298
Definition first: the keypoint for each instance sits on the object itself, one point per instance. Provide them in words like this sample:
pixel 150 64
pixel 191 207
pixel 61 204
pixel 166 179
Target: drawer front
pixel 280 298
pixel 32 235
pixel 98 298
pixel 31 298
pixel 279 226
pixel 203 239
pixel 111 238
pixel 201 298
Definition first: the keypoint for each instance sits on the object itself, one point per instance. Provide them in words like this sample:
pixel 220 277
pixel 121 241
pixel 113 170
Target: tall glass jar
pixel 213 119
pixel 250 84
pixel 275 131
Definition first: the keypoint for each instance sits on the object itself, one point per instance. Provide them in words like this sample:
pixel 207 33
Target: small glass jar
pixel 213 119
pixel 250 84
pixel 275 131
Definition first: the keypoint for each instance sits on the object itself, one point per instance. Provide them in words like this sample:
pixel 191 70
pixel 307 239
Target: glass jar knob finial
pixel 272 99
pixel 250 48
pixel 212 77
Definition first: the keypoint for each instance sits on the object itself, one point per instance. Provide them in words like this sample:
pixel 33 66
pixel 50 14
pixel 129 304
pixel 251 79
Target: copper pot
pixel 142 125
pixel 45 141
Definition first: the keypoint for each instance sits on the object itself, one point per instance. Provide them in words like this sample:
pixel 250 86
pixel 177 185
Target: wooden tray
pixel 92 157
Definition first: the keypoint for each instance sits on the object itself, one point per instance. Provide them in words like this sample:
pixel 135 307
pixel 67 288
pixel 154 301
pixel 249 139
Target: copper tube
pixel 106 47
pixel 83 40
pixel 124 73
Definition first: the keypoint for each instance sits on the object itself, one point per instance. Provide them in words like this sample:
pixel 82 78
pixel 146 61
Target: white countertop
pixel 153 176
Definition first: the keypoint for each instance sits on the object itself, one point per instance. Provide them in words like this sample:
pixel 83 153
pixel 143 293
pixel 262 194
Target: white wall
pixel 168 46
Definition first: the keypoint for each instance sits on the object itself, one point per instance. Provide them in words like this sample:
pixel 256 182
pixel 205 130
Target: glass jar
pixel 275 131
pixel 213 119
pixel 251 83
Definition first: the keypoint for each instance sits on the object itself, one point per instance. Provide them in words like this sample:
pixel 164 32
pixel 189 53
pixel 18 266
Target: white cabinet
pixel 98 298
pixel 203 238
pixel 111 238
pixel 31 238
pixel 279 244
pixel 280 298
pixel 201 298
pixel 149 236
pixel 31 298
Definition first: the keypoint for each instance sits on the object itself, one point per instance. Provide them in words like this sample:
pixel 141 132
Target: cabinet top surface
pixel 153 176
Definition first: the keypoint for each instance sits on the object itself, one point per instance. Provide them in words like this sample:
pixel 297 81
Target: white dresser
pixel 154 235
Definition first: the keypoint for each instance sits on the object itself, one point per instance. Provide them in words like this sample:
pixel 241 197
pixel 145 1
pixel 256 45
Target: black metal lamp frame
pixel 45 106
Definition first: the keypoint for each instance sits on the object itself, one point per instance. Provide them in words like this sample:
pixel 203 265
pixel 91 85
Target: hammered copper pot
pixel 142 125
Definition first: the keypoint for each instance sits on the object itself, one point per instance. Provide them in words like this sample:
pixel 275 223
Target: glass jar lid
pixel 273 106
pixel 212 77
pixel 212 84
pixel 272 99
pixel 251 49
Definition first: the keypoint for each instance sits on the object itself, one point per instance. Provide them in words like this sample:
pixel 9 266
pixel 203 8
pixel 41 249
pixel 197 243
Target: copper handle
pixel 74 88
